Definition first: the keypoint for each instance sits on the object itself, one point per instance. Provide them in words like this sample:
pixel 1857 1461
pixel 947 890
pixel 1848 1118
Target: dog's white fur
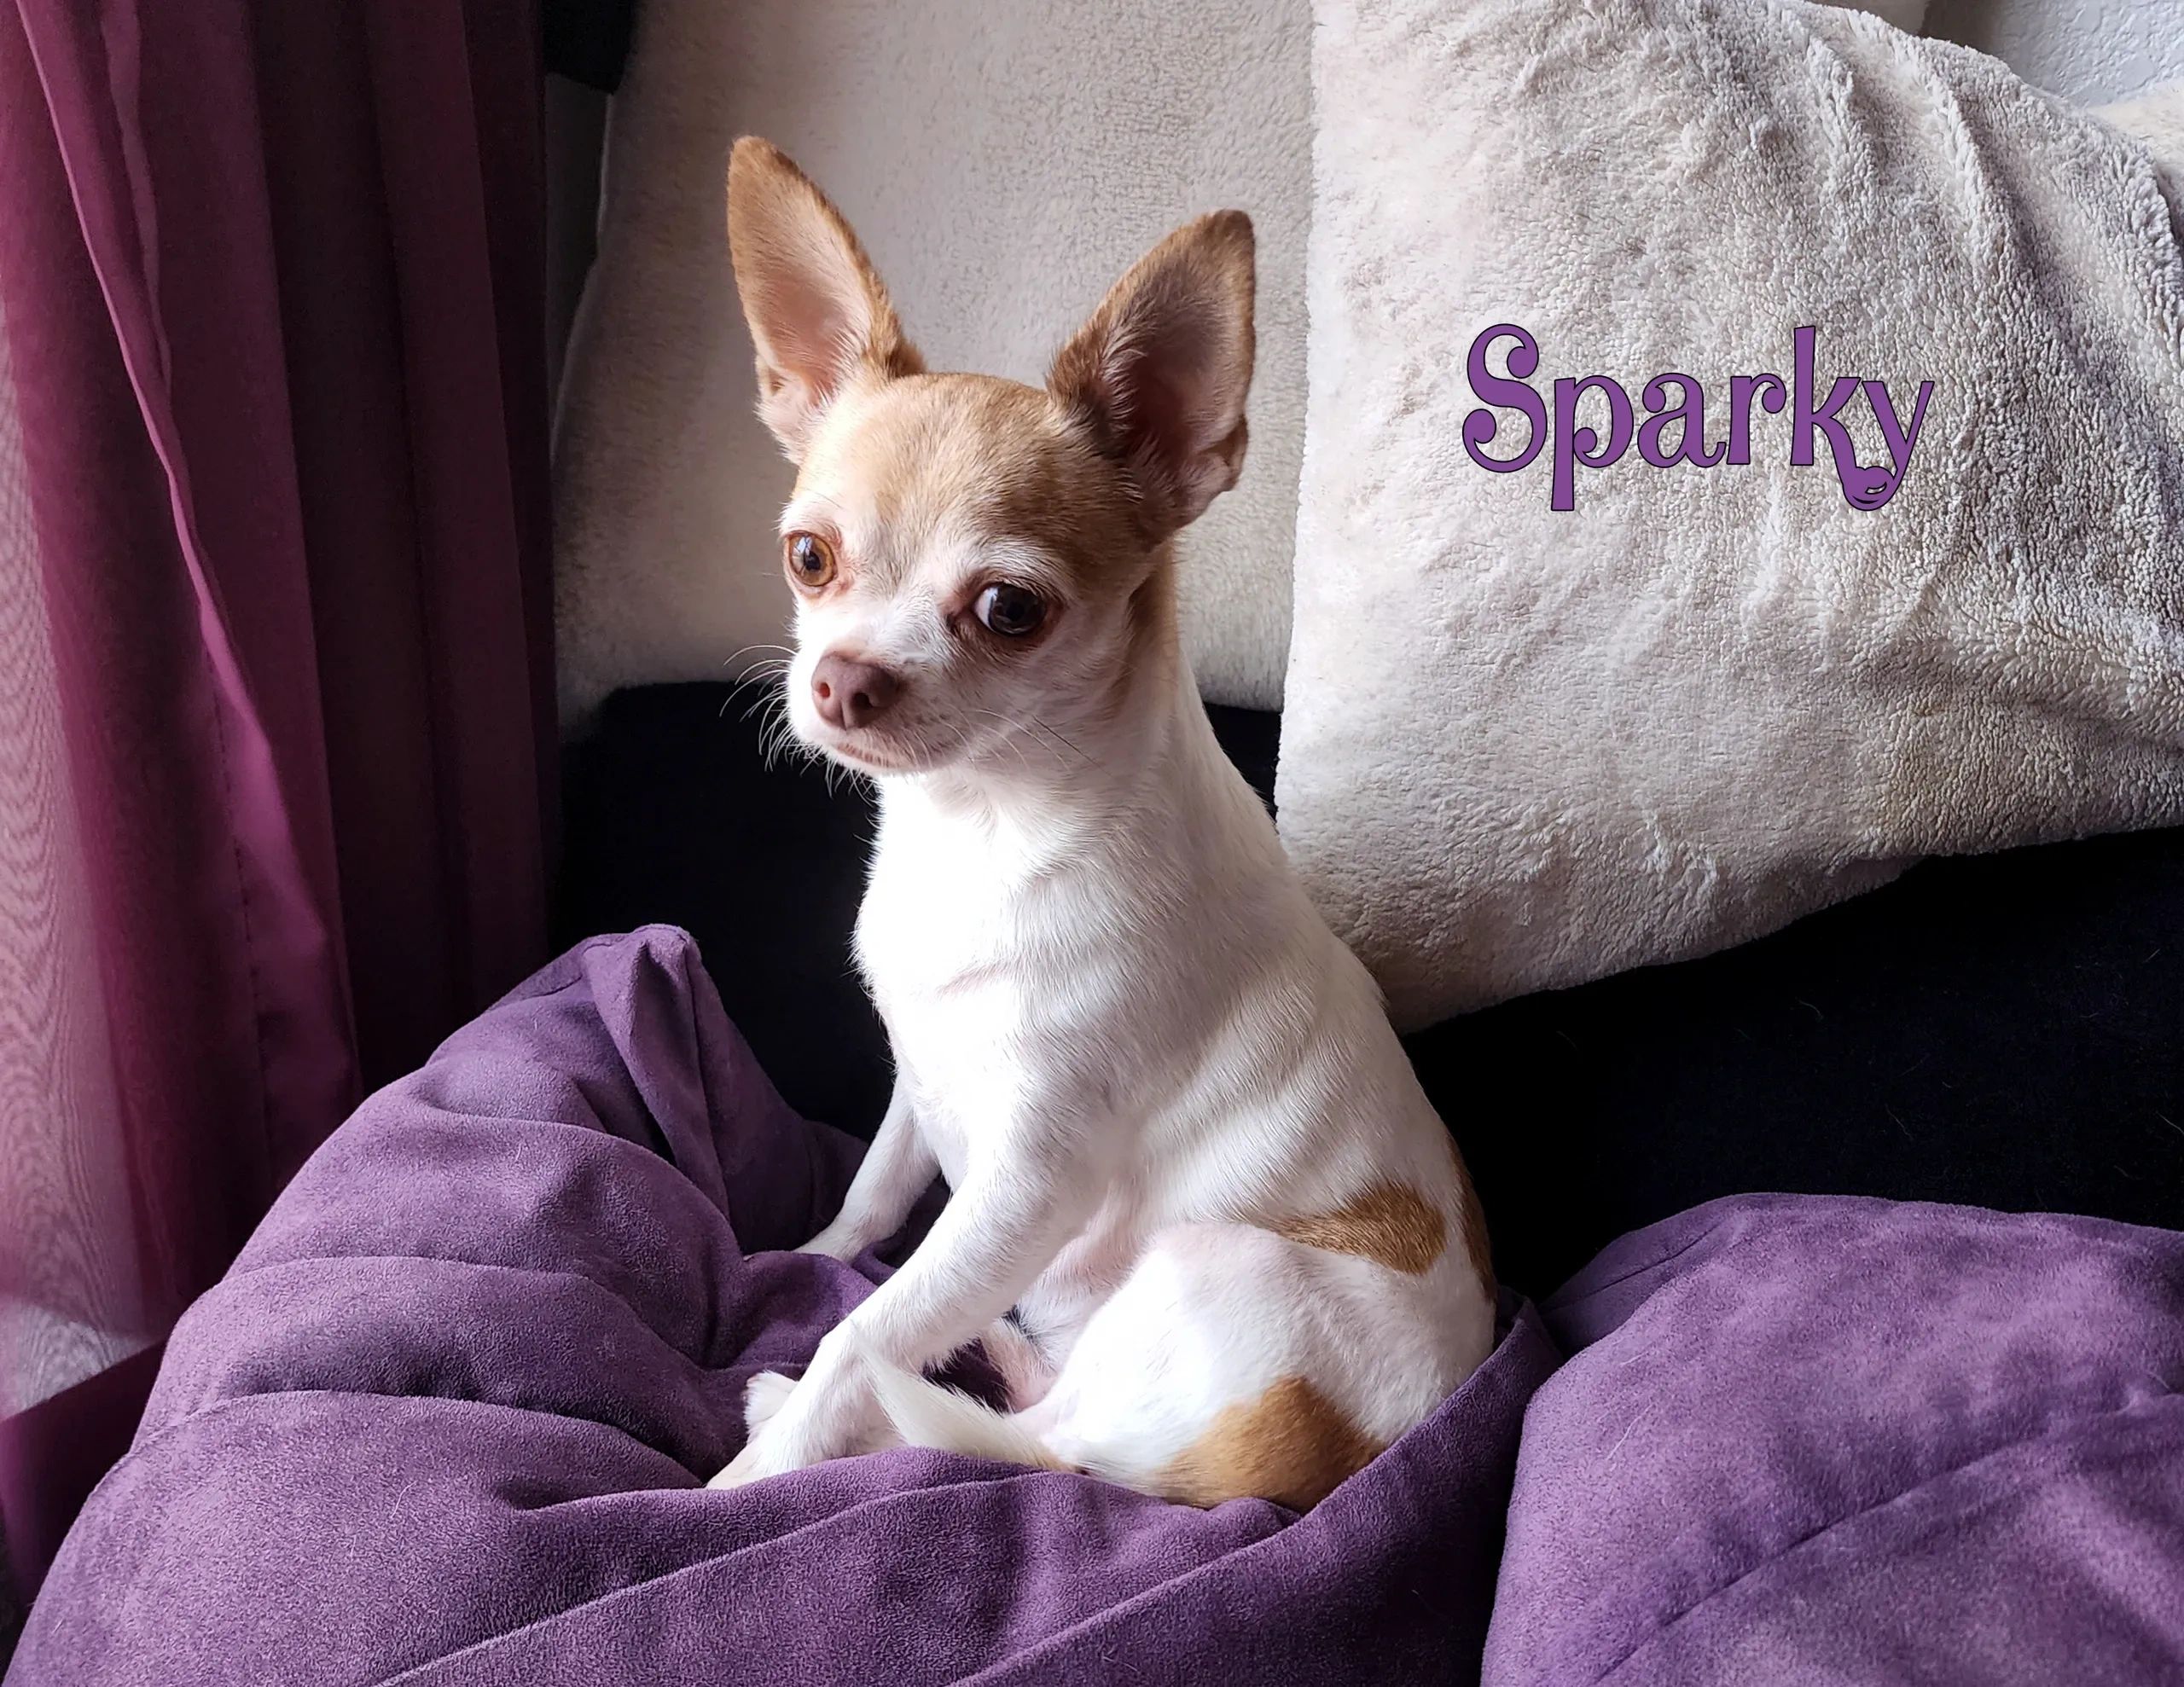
pixel 1142 1061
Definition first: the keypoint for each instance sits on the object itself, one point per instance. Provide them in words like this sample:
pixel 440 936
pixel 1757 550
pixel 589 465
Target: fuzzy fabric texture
pixel 1003 166
pixel 1905 15
pixel 1526 746
pixel 2156 121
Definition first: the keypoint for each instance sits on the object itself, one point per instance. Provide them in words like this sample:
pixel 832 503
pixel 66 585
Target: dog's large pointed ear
pixel 1161 370
pixel 818 315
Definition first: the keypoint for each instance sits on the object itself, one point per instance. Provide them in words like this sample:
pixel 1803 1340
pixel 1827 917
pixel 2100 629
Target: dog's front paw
pixel 835 1244
pixel 741 1470
pixel 764 1396
pixel 767 1454
pixel 763 1455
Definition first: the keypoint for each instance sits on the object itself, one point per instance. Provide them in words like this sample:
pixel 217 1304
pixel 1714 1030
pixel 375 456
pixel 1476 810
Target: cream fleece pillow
pixel 1554 710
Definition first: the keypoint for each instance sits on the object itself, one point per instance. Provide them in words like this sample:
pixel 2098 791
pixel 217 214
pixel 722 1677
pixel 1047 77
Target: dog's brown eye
pixel 810 560
pixel 1010 611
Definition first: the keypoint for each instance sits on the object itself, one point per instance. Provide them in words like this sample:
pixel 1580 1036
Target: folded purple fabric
pixel 447 1419
pixel 1808 1439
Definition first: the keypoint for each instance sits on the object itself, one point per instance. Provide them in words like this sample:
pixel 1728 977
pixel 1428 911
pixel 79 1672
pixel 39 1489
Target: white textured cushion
pixel 1004 165
pixel 1526 747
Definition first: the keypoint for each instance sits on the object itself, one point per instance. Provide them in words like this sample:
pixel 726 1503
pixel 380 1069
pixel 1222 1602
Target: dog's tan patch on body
pixel 1389 1223
pixel 1292 1444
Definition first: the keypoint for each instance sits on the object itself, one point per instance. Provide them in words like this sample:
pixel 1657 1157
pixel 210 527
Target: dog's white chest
pixel 933 934
pixel 942 942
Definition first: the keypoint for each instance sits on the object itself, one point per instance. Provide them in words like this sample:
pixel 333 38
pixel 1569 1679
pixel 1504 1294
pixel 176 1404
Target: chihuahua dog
pixel 1206 1224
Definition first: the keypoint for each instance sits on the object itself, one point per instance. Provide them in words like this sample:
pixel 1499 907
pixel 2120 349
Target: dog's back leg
pixel 1023 1369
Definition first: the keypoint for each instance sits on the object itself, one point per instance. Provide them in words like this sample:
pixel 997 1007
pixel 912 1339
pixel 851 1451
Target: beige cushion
pixel 1526 746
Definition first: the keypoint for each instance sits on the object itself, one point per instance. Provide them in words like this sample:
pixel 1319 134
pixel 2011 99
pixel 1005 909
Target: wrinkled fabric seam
pixel 1660 1630
pixel 1555 1303
pixel 1138 1603
pixel 487 1643
pixel 216 1407
pixel 643 1323
pixel 1143 1598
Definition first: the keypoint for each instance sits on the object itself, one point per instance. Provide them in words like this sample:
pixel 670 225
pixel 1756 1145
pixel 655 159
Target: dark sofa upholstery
pixel 2005 1030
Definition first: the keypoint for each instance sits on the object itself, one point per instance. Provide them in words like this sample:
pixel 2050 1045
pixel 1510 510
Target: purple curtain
pixel 276 609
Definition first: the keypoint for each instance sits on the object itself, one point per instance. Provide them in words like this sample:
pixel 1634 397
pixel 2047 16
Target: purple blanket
pixel 447 1419
pixel 1831 1440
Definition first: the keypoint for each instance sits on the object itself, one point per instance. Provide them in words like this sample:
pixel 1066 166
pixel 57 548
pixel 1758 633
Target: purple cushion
pixel 448 1418
pixel 1811 1440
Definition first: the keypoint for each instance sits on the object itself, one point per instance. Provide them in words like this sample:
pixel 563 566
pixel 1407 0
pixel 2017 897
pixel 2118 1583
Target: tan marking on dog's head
pixel 910 465
pixel 1292 1444
pixel 928 494
pixel 1389 1222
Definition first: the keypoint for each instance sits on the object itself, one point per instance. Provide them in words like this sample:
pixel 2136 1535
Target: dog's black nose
pixel 849 692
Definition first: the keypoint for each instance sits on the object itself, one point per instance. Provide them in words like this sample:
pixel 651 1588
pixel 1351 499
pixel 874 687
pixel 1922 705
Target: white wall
pixel 2092 51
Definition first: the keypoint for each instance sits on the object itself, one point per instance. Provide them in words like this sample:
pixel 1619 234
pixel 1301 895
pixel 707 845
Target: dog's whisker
pixel 770 695
pixel 1032 723
pixel 735 656
pixel 1040 726
pixel 761 674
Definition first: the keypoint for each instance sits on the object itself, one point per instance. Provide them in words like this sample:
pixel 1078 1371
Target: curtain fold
pixel 275 377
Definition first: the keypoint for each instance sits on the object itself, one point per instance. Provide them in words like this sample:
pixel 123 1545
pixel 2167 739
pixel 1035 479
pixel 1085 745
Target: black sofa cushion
pixel 2002 1030
pixel 587 41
